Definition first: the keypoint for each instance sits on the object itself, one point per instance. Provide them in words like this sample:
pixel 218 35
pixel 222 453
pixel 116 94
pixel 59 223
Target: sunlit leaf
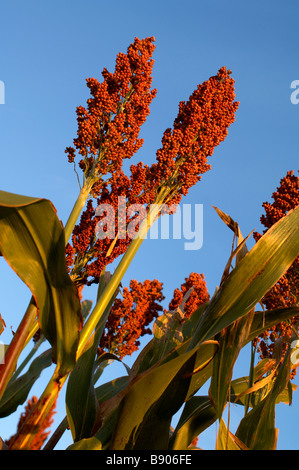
pixel 248 282
pixel 226 440
pixel 32 242
pixel 145 390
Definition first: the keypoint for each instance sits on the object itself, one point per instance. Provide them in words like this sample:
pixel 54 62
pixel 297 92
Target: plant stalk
pixel 15 348
pixel 36 418
pixel 115 280
pixel 76 211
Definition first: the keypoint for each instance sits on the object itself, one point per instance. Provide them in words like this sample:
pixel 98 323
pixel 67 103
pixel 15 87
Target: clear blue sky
pixel 48 49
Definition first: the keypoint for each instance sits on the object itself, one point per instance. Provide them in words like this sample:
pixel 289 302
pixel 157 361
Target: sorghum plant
pixel 197 338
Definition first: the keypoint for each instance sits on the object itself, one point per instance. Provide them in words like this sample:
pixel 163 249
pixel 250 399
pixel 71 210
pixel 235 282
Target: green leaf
pixel 226 440
pixel 102 437
pixel 198 414
pixel 257 429
pixel 253 276
pixel 233 338
pixel 32 242
pixel 231 341
pixel 17 390
pixel 153 433
pixel 145 390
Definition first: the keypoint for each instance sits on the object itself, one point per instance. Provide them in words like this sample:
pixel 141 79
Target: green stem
pixel 103 302
pixel 76 211
pixel 32 424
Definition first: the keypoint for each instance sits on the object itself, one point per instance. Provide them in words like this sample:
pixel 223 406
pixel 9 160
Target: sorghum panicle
pixel 201 124
pixel 131 316
pixel 108 129
pixel 198 296
pixel 43 430
pixel 285 293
